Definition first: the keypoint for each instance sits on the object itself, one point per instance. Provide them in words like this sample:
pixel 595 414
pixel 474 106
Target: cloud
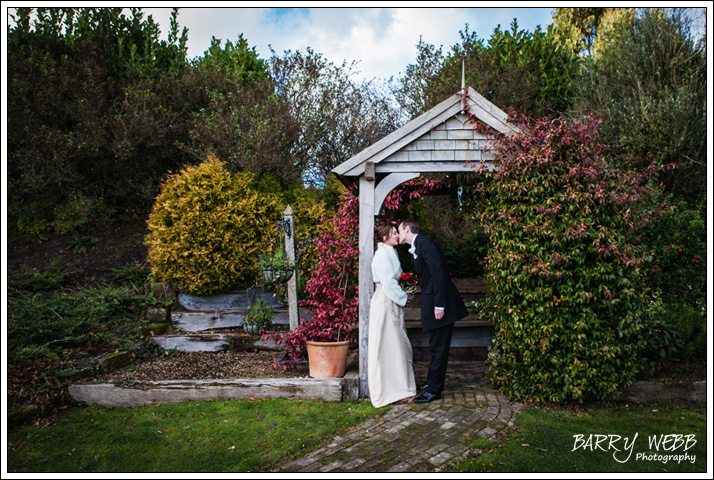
pixel 382 40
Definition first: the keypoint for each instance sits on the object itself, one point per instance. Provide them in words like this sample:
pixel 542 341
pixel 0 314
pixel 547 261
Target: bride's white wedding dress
pixel 389 355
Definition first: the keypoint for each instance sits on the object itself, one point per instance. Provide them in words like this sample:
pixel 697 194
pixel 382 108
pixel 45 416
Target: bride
pixel 389 354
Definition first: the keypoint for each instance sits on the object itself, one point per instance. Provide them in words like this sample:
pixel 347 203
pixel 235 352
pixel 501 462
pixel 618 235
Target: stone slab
pixel 350 385
pixel 201 321
pixel 194 343
pixel 237 300
pixel 113 361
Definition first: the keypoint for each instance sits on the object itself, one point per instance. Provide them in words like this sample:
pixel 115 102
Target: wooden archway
pixel 443 140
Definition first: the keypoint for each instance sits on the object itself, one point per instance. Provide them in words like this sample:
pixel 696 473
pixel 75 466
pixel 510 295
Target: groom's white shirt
pixel 412 248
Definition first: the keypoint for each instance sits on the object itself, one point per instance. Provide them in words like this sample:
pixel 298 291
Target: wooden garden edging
pixel 141 392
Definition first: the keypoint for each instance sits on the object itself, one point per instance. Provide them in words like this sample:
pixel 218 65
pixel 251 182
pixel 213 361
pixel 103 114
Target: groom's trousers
pixel 439 344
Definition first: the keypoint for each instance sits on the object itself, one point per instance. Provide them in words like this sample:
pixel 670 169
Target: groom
pixel 441 305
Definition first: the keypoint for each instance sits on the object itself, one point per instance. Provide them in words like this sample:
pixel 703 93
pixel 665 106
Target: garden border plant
pixel 573 312
pixel 207 228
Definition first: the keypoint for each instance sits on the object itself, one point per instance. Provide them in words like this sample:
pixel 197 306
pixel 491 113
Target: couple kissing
pixel 390 362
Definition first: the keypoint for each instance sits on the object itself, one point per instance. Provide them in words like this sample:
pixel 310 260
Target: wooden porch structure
pixel 441 140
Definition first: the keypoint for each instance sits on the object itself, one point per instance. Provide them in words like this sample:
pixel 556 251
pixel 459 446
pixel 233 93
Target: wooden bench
pixel 471 337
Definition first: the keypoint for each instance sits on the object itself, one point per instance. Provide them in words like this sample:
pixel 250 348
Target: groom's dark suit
pixel 437 290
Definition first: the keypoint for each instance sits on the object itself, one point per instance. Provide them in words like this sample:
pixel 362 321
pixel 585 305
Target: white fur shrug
pixel 386 270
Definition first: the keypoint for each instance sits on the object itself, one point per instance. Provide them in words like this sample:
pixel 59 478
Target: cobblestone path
pixel 419 438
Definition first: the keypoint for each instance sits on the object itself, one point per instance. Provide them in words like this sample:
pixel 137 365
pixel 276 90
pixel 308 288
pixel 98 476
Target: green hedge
pixel 573 313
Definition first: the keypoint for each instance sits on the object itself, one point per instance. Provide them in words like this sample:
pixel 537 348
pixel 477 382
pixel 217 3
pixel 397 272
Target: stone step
pixel 463 323
pixel 412 314
pixel 212 342
pixel 195 342
pixel 237 300
pixel 463 337
pixel 199 321
pixel 470 340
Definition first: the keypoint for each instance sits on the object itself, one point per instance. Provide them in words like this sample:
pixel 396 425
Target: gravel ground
pixel 205 366
pixel 202 366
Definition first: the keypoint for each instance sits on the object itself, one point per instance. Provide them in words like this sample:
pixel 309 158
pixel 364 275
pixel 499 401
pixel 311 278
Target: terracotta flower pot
pixel 327 359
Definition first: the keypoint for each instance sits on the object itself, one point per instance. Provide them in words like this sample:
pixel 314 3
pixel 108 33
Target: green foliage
pixel 260 313
pixel 84 107
pixel 412 89
pixel 310 210
pixel 81 213
pixel 481 310
pixel 42 323
pixel 662 340
pixel 691 329
pixel 576 28
pixel 678 240
pixel 207 229
pixel 52 278
pixel 237 116
pixel 97 103
pixel 649 83
pixel 336 116
pixel 463 241
pixel 566 268
pixel 248 127
pixel 529 72
pixel 136 275
pixel 238 61
pixel 32 228
pixel 54 333
pixel 80 243
pixel 131 45
pixel 276 259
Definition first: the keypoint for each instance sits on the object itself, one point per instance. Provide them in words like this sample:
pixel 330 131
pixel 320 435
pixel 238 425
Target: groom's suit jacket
pixel 437 289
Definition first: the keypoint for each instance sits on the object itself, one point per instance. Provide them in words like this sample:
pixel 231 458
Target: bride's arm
pixel 384 270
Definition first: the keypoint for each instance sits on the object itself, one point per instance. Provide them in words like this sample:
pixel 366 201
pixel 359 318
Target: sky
pixel 382 40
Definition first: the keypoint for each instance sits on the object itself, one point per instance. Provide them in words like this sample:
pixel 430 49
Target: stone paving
pixel 419 438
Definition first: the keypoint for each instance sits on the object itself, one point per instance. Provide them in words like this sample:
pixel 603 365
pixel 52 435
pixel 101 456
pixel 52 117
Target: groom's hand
pixel 439 313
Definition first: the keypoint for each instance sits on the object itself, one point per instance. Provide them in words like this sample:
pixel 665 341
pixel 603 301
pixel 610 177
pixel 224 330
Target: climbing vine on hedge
pixel 566 266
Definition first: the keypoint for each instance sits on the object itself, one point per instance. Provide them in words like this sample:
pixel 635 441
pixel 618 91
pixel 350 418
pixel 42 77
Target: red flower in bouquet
pixel 408 282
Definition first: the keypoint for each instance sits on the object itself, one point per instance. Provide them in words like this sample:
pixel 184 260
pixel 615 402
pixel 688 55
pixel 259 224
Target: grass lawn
pixel 219 436
pixel 259 435
pixel 547 441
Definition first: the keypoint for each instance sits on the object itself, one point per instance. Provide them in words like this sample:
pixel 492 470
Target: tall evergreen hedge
pixel 566 266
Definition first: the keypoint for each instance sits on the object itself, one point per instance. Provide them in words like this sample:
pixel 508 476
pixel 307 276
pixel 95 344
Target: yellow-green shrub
pixel 207 229
pixel 310 215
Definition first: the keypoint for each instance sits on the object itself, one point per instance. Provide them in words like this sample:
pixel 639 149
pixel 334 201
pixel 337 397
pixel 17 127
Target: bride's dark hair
pixel 382 230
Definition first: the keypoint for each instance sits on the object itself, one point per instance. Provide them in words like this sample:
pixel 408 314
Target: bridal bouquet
pixel 408 282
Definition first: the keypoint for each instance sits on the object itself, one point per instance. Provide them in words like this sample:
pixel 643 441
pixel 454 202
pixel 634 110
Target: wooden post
pixel 293 313
pixel 371 198
pixel 366 284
